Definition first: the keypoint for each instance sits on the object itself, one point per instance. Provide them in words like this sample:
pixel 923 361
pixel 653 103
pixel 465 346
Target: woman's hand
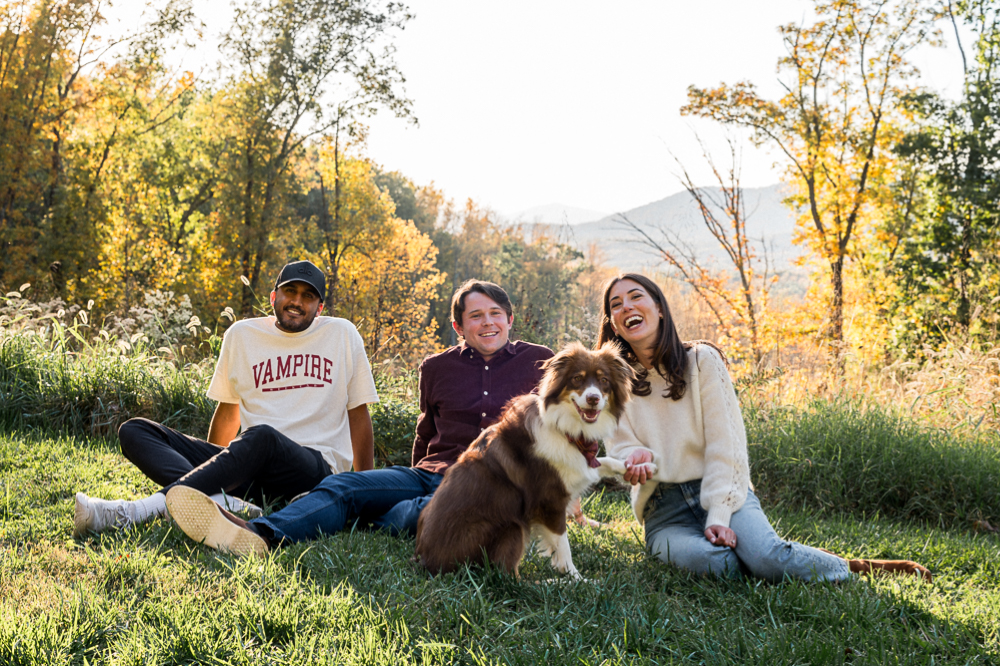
pixel 721 536
pixel 635 469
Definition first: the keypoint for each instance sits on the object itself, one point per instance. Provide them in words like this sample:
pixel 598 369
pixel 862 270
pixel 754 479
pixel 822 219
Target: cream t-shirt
pixel 301 384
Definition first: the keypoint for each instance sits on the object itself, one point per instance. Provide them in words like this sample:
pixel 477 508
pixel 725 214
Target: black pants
pixel 260 465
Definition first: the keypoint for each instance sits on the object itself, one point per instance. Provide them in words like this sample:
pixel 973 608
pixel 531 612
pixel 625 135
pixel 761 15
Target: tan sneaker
pixel 93 514
pixel 890 567
pixel 885 566
pixel 206 522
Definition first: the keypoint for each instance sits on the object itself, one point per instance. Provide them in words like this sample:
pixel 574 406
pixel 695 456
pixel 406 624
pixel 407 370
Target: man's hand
pixel 635 469
pixel 225 424
pixel 721 536
pixel 362 438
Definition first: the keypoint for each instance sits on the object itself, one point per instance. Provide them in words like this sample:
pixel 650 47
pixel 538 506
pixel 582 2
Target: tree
pixel 948 260
pixel 739 312
pixel 57 73
pixel 388 289
pixel 380 268
pixel 836 123
pixel 299 69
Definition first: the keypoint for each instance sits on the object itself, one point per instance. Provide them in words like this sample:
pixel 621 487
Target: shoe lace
pixel 117 515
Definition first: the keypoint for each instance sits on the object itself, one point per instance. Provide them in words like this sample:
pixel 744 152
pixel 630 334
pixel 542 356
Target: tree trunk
pixel 835 331
pixel 246 297
pixel 246 300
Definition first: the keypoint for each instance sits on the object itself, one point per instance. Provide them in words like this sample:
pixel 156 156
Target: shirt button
pixel 484 414
pixel 487 367
pixel 486 392
pixel 482 429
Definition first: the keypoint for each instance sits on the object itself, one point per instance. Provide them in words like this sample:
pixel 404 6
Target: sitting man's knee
pixel 260 435
pixel 336 485
pixel 131 426
pixel 132 432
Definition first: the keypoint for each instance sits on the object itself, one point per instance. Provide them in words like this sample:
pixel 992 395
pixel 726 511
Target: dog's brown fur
pixel 522 472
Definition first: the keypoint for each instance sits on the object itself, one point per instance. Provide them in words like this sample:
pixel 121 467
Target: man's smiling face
pixel 485 325
pixel 296 304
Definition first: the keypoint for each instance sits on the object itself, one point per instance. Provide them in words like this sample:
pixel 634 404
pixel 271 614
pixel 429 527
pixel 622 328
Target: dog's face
pixel 595 383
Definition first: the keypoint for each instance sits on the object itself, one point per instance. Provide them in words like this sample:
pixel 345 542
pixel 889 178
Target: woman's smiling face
pixel 634 315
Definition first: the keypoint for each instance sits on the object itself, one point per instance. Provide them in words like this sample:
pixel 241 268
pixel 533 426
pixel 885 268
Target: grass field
pixel 149 596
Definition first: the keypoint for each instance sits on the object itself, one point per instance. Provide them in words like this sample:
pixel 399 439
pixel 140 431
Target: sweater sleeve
pixel 621 445
pixel 727 470
pixel 624 441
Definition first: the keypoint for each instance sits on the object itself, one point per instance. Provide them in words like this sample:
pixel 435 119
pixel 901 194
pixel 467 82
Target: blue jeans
pixel 675 526
pixel 389 498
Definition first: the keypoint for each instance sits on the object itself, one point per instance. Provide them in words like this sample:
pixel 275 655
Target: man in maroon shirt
pixel 462 391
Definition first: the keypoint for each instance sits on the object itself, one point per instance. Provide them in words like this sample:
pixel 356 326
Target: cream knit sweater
pixel 700 436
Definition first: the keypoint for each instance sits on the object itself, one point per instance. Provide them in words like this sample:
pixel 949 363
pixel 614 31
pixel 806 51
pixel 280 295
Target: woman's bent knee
pixel 704 559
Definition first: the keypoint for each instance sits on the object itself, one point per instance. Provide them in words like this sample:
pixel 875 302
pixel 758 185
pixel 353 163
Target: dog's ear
pixel 555 373
pixel 622 374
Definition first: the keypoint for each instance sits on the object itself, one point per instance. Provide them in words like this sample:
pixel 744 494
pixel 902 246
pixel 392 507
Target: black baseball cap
pixel 303 271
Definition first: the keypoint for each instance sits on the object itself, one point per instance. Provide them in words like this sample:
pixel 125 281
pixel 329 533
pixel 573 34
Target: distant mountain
pixel 556 214
pixel 678 215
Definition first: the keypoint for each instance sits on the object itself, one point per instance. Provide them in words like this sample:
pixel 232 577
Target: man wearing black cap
pixel 298 384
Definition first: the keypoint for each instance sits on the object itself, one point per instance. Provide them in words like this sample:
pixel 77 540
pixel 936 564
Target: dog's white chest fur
pixel 558 423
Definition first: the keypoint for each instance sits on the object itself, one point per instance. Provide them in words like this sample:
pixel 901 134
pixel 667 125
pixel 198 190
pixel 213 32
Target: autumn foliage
pixel 124 178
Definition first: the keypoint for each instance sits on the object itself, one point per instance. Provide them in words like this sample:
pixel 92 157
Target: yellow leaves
pixel 837 123
pixel 390 287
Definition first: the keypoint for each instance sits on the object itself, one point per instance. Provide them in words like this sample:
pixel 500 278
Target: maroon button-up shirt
pixel 461 395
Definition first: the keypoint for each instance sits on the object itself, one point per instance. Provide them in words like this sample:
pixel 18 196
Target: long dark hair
pixel 669 352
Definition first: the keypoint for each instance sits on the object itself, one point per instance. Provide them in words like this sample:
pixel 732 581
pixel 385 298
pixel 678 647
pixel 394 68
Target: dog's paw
pixel 564 580
pixel 611 466
pixel 569 572
pixel 650 468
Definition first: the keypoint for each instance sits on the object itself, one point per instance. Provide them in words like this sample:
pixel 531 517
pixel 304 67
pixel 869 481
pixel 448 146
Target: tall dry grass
pixel 956 387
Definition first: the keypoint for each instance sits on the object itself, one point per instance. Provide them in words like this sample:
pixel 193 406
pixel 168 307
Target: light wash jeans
pixel 675 533
pixel 390 498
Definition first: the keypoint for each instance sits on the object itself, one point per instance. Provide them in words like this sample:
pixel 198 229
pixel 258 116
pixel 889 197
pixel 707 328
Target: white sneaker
pixel 206 522
pixel 93 514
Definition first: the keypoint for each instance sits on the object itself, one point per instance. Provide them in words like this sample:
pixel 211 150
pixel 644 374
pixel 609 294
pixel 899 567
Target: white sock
pixel 150 507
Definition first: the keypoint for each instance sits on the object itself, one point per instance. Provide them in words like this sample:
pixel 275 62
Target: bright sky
pixel 531 102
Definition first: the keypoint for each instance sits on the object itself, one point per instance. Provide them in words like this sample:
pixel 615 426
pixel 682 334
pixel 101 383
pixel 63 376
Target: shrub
pixel 394 422
pixel 44 384
pixel 394 418
pixel 852 456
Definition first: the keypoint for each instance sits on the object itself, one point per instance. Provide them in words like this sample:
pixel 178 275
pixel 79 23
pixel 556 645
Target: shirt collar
pixel 470 352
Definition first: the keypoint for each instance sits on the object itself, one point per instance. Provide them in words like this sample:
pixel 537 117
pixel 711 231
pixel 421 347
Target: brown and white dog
pixel 517 478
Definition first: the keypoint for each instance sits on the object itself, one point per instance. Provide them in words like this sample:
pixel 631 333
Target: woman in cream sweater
pixel 698 509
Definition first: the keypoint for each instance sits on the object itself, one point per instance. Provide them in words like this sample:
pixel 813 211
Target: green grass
pixel 149 595
pixel 61 383
pixel 64 384
pixel 860 458
pixel 847 476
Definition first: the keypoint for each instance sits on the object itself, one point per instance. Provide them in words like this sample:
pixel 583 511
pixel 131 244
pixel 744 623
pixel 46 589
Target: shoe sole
pixel 202 520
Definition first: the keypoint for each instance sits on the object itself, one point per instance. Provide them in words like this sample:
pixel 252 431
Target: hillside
pixel 557 214
pixel 767 218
